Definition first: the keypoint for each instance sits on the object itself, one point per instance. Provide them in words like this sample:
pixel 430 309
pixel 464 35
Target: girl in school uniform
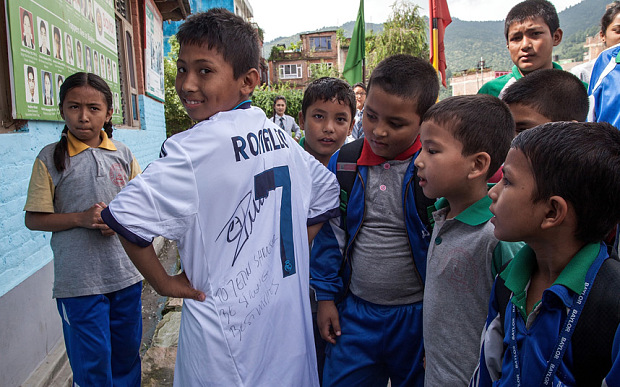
pixel 96 287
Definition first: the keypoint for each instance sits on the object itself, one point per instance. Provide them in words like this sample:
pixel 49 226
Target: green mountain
pixel 468 41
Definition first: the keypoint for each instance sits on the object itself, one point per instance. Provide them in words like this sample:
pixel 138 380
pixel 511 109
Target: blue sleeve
pixel 613 377
pixel 326 256
pixel 489 366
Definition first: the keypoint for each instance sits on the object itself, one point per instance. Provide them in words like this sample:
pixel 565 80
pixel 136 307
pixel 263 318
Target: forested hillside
pixel 467 41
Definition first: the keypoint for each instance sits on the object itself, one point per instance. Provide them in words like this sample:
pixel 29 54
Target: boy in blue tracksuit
pixel 377 266
pixel 559 293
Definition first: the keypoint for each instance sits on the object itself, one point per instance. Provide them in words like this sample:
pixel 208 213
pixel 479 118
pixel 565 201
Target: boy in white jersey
pixel 224 191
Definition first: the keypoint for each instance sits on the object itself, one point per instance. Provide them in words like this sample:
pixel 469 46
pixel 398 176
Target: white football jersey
pixel 236 193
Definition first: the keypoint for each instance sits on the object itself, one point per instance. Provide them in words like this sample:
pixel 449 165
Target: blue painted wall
pixel 24 252
pixel 171 27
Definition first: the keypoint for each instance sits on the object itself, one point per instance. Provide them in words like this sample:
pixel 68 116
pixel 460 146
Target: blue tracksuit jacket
pixel 330 267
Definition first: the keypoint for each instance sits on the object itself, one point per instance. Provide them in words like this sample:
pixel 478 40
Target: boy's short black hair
pixel 328 89
pixel 481 122
pixel 553 93
pixel 581 163
pixel 530 9
pixel 227 33
pixel 407 77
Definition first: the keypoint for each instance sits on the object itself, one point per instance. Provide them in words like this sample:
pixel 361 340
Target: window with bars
pixel 290 71
pixel 321 43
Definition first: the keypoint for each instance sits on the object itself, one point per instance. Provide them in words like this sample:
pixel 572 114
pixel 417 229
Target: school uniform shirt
pixel 537 334
pixel 497 87
pixel 287 123
pixel 358 131
pixel 85 262
pixel 463 259
pixel 236 192
pixel 603 91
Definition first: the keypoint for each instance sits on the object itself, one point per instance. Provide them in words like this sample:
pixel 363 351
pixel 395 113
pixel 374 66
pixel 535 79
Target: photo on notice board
pixel 79 61
pixel 26 28
pixel 59 81
pixel 102 66
pixel 48 93
pixel 57 36
pixel 69 48
pixel 88 60
pixel 32 89
pixel 44 38
pixel 96 62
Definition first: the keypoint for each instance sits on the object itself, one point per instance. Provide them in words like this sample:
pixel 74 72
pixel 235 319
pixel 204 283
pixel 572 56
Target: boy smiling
pixel 223 190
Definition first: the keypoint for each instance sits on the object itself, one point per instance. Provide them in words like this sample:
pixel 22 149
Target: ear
pixel 557 36
pixel 602 36
pixel 249 81
pixel 479 165
pixel 300 117
pixel 108 116
pixel 556 212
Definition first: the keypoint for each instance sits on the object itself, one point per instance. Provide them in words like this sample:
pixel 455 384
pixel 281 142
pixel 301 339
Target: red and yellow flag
pixel 439 20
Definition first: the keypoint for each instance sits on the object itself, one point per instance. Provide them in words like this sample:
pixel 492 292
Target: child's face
pixel 516 216
pixel 360 97
pixel 280 107
pixel 31 83
pixel 442 168
pixel 205 82
pixel 526 117
pixel 326 126
pixel 85 110
pixel 390 123
pixel 612 33
pixel 531 43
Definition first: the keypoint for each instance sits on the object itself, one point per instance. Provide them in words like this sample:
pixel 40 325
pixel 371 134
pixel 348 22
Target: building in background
pixel 238 7
pixel 120 40
pixel 470 81
pixel 295 66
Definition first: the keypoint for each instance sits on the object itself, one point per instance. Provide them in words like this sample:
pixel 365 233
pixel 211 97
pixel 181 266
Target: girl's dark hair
pixel 78 80
pixel 610 13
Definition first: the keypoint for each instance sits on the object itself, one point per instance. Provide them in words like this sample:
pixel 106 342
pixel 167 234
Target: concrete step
pixel 55 370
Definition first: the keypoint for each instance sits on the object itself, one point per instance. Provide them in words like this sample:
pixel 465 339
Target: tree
pixel 177 119
pixel 403 33
pixel 264 95
pixel 320 70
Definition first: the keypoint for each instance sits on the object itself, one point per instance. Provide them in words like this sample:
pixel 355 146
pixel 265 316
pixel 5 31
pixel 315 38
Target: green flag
pixel 353 67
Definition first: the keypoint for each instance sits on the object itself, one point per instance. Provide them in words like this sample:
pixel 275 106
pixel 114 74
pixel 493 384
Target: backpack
pixel 346 172
pixel 596 328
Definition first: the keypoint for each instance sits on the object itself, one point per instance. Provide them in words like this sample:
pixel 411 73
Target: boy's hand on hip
pixel 179 286
pixel 328 321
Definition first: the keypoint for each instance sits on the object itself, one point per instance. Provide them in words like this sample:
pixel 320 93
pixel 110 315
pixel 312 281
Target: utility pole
pixel 481 66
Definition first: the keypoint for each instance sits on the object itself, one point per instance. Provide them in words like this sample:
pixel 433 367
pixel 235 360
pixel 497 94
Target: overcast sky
pixel 285 18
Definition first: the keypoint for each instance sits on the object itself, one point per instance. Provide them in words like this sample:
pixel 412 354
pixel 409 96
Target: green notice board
pixel 52 39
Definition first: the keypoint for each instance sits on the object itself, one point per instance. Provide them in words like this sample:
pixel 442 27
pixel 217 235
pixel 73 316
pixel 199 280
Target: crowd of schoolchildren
pixel 418 270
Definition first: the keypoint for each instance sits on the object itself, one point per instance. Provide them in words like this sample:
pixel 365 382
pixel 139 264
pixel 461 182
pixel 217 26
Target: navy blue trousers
pixel 102 335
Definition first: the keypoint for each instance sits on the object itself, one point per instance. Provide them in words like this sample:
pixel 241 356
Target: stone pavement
pixel 158 361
